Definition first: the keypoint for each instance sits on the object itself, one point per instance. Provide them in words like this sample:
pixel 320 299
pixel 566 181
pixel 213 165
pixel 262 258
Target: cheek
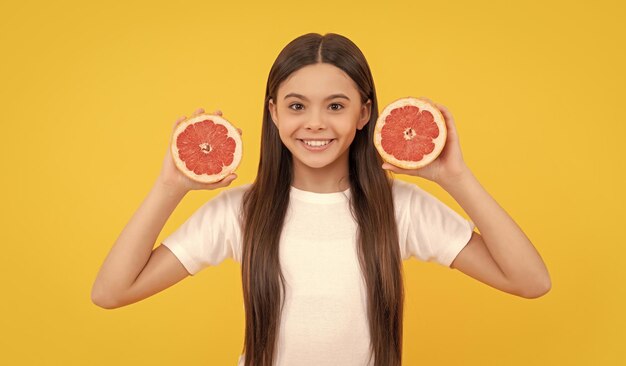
pixel 348 126
pixel 287 128
pixel 351 135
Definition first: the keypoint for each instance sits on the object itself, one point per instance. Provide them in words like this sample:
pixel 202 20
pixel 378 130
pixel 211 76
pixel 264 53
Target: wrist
pixel 168 189
pixel 457 179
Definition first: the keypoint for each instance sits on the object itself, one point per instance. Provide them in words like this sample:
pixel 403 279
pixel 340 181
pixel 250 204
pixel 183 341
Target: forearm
pixel 133 247
pixel 508 245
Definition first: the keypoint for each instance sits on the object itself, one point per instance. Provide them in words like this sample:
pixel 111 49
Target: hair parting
pixel 265 206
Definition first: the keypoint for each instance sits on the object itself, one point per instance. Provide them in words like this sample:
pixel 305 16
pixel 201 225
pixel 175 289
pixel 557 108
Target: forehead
pixel 318 81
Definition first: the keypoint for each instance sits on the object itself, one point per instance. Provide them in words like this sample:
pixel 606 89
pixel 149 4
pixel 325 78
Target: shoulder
pixel 233 197
pixel 403 191
pixel 409 196
pixel 403 195
pixel 400 187
pixel 227 201
pixel 234 194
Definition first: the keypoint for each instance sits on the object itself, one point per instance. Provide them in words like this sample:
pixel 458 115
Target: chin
pixel 315 164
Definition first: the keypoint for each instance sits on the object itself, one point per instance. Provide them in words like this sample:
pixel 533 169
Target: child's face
pixel 314 115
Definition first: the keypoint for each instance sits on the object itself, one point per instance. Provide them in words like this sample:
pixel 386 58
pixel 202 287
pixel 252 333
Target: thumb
pixel 225 181
pixel 230 178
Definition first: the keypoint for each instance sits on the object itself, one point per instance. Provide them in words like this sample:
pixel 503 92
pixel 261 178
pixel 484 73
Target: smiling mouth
pixel 316 143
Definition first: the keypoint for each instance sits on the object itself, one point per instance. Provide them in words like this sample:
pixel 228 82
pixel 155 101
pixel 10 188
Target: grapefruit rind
pixel 204 178
pixel 439 141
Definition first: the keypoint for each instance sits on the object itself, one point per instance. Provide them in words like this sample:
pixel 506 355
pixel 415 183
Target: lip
pixel 317 148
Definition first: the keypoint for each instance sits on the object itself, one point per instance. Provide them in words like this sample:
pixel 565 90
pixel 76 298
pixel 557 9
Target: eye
pixel 300 106
pixel 337 104
pixel 297 109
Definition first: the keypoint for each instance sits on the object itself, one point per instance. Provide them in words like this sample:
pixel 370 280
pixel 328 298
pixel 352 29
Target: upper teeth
pixel 316 142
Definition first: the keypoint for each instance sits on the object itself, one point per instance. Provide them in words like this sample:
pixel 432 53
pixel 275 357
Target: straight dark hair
pixel 265 205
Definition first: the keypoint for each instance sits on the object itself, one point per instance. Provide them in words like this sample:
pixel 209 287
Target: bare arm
pixel 132 251
pixel 502 245
pixel 132 270
pixel 501 255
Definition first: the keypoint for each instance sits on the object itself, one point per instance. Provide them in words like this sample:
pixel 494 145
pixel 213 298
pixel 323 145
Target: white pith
pixel 232 132
pixel 422 105
pixel 205 148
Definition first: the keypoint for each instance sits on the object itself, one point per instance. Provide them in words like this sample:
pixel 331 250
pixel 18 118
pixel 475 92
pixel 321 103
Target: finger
pixel 390 167
pixel 240 132
pixel 231 177
pixel 426 99
pixel 447 115
pixel 227 180
pixel 198 111
pixel 438 106
pixel 443 109
pixel 218 112
pixel 179 120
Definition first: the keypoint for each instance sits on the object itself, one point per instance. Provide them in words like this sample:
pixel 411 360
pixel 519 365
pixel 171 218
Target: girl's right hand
pixel 174 179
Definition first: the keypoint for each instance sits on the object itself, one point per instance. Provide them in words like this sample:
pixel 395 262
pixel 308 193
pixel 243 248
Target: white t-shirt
pixel 324 321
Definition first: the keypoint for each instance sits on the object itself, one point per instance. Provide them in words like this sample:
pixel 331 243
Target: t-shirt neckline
pixel 316 197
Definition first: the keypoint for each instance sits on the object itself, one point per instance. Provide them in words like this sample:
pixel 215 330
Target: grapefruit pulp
pixel 206 148
pixel 410 133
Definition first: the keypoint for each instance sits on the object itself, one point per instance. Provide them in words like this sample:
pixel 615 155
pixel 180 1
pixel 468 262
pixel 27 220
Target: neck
pixel 329 179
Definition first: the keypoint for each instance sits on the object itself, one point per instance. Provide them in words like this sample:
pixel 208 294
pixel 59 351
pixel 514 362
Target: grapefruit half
pixel 410 133
pixel 206 148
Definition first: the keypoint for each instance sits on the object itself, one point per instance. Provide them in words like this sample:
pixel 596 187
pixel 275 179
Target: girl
pixel 322 231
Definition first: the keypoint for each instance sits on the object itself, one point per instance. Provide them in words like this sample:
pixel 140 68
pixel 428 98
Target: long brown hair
pixel 265 205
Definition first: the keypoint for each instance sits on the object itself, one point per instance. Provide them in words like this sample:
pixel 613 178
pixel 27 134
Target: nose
pixel 315 122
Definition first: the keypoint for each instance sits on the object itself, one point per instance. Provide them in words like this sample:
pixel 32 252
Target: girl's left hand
pixel 449 165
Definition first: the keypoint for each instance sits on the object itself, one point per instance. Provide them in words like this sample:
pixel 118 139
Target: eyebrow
pixel 305 98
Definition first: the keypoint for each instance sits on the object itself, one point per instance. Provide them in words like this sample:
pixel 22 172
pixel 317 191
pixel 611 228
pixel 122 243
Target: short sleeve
pixel 430 230
pixel 209 236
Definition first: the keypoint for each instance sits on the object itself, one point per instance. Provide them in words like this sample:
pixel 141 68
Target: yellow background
pixel 89 92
